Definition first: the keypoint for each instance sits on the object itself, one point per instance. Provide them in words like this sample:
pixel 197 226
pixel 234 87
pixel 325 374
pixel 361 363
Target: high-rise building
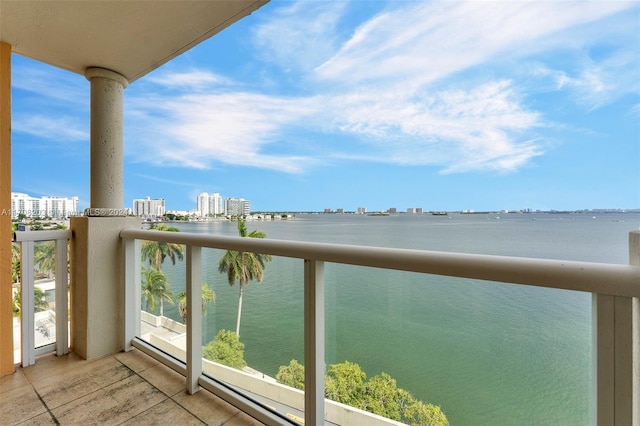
pixel 216 204
pixel 149 207
pixel 237 206
pixel 203 204
pixel 53 207
pixel 362 210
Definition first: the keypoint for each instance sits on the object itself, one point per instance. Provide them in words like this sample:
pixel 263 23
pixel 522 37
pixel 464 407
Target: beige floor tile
pixel 57 388
pixel 12 381
pixel 19 404
pixel 43 419
pixel 166 413
pixel 53 365
pixel 136 360
pixel 207 407
pixel 113 404
pixel 165 379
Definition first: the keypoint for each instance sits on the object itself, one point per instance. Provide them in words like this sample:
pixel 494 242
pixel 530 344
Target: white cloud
pixel 462 130
pixel 404 88
pixel 425 42
pixel 194 79
pixel 201 130
pixel 300 36
pixel 60 129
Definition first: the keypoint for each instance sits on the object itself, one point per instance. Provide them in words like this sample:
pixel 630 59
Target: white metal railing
pixel 615 289
pixel 27 240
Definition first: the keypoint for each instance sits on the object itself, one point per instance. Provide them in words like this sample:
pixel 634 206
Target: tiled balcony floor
pixel 124 389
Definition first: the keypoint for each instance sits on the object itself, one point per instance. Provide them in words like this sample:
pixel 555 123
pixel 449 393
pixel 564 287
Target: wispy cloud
pixel 189 80
pixel 62 129
pixel 301 35
pixel 201 130
pixel 416 85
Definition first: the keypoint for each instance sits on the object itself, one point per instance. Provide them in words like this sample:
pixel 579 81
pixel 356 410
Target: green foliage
pixel 421 414
pixel 208 295
pixel 15 263
pixel 346 383
pixel 155 288
pixel 225 349
pixel 39 301
pixel 45 257
pixel 156 252
pixel 291 375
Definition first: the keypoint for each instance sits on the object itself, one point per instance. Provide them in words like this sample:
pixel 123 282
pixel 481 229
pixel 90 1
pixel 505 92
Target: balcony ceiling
pixel 129 37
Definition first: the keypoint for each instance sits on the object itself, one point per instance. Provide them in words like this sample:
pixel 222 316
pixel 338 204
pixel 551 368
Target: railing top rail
pixel 601 278
pixel 58 234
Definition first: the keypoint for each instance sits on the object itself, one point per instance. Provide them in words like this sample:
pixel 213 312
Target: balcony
pixel 180 366
pixel 126 388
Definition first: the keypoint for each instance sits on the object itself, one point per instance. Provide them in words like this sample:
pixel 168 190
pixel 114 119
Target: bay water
pixel 487 353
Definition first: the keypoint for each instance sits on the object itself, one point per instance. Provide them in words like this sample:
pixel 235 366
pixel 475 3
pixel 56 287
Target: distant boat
pixel 378 214
pixel 439 213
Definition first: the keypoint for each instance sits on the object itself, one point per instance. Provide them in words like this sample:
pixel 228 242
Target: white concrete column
pixel 98 285
pixel 106 142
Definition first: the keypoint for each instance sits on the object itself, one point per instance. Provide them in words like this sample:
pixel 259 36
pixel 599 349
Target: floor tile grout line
pixel 84 394
pixel 53 417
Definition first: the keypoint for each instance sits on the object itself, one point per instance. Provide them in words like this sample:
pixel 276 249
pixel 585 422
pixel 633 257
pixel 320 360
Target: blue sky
pixel 331 104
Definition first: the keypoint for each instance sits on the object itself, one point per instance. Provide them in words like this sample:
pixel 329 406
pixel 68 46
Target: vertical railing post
pixel 62 298
pixel 194 317
pixel 314 342
pixel 616 354
pixel 27 319
pixel 132 291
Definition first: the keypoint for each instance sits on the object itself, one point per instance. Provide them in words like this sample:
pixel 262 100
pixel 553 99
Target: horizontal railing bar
pixel 45 349
pixel 601 278
pixel 58 234
pixel 160 356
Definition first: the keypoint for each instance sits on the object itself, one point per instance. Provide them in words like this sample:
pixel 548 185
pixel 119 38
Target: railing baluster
pixel 62 299
pixel 27 301
pixel 194 317
pixel 132 281
pixel 314 342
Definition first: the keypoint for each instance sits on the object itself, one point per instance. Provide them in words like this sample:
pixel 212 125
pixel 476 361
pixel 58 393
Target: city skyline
pixel 304 106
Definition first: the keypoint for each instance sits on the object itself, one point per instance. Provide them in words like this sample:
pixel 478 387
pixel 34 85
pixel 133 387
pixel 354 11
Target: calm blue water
pixel 487 353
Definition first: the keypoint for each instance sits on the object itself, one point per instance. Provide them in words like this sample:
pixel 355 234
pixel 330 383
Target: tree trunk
pixel 239 310
pixel 161 307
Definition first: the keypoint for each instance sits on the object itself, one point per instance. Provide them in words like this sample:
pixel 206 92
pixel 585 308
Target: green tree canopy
pixel 225 349
pixel 243 266
pixel 346 383
pixel 291 375
pixel 208 295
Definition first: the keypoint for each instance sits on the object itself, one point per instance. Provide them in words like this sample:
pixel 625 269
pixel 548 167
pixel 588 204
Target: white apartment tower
pixel 237 206
pixel 203 204
pixel 216 204
pixel 149 207
pixel 43 207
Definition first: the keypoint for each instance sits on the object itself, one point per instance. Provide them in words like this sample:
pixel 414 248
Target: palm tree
pixel 155 287
pixel 157 251
pixel 45 257
pixel 243 266
pixel 208 295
